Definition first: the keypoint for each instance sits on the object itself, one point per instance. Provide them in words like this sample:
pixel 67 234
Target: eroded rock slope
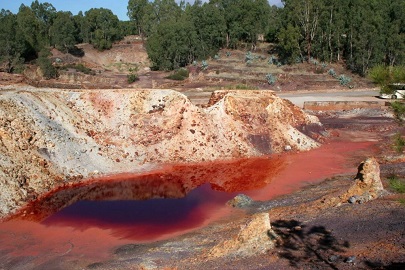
pixel 50 138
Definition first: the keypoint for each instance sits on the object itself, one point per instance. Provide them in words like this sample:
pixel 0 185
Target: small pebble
pixel 333 258
pixel 352 199
pixel 297 228
pixel 351 259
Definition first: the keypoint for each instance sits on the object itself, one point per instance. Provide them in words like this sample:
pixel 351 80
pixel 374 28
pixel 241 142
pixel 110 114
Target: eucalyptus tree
pixel 210 27
pixel 83 31
pixel 28 27
pixel 63 31
pixel 45 13
pixel 245 19
pixel 288 43
pixel 366 32
pixel 274 23
pixel 12 45
pixel 137 12
pixel 104 27
pixel 165 11
pixel 173 44
pixel 305 14
pixel 395 35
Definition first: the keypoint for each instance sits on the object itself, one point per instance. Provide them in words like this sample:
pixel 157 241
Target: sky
pixel 118 7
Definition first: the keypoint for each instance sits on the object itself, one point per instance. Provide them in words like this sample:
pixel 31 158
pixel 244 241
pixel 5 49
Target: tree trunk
pixel 338 48
pixel 330 36
pixel 309 49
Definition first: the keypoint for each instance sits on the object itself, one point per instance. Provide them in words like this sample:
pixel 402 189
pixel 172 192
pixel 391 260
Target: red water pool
pixel 88 219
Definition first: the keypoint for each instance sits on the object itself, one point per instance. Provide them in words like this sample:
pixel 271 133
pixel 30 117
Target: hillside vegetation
pixel 359 33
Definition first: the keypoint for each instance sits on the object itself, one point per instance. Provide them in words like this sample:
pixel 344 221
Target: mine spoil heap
pixel 52 137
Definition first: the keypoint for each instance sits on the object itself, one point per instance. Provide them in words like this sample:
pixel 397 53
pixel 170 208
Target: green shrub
pixel 332 72
pixel 399 111
pixel 379 74
pixel 48 70
pixel 179 75
pixel 133 77
pixel 272 60
pixel 398 74
pixel 344 80
pixel 315 62
pixel 299 60
pixel 271 79
pixel 241 86
pixel 396 184
pixel 18 66
pixel 183 72
pixel 399 143
pixel 204 65
pixel 249 57
pixel 245 87
pixel 383 76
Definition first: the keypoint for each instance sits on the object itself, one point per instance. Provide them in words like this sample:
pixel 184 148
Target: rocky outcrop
pixel 366 186
pixel 240 201
pixel 50 137
pixel 254 237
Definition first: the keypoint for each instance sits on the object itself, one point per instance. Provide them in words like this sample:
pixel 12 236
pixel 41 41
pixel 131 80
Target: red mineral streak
pixel 93 235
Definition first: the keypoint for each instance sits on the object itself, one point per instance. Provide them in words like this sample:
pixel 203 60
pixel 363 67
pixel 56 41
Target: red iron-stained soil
pixel 113 210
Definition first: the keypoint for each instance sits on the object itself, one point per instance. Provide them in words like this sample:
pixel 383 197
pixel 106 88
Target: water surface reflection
pixel 143 220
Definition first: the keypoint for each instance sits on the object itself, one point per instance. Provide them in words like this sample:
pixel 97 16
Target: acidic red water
pixel 114 210
pixel 142 220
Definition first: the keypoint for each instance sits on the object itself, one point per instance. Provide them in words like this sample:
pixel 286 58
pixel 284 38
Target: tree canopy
pixel 358 33
pixel 36 28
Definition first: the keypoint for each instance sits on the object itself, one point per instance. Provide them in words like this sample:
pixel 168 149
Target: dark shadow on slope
pixel 307 247
pixel 75 51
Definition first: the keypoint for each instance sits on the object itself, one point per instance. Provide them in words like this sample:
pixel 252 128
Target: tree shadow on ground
pixel 312 246
pixel 75 51
pixel 381 265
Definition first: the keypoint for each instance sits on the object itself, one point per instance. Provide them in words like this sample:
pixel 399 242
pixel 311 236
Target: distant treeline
pixel 359 33
pixel 29 34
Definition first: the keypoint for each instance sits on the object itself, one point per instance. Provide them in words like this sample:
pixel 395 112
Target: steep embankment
pixel 50 138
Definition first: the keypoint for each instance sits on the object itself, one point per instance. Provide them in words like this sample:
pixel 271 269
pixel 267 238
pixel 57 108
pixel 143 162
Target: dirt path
pixel 299 98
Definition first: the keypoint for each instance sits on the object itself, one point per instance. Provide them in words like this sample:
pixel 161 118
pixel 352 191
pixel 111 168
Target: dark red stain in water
pixel 101 213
